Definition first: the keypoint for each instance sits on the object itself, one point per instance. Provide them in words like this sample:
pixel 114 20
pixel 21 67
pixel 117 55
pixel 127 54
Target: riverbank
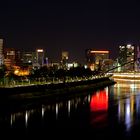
pixel 28 94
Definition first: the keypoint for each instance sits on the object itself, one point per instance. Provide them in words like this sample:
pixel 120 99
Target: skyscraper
pixel 40 56
pixel 127 53
pixel 1 52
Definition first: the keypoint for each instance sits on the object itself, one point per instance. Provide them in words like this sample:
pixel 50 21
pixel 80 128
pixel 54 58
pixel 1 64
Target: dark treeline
pixel 47 74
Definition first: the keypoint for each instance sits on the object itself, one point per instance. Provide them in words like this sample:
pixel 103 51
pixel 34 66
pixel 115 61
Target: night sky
pixel 71 26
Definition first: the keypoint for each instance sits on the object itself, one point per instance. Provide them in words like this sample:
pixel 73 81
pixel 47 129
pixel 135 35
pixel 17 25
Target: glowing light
pixel 16 72
pixel 92 67
pixel 129 45
pixel 125 80
pixel 85 66
pixel 99 51
pixel 131 75
pixel 40 50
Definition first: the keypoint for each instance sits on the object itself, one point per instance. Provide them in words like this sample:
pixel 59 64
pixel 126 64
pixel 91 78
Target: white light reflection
pixel 106 91
pixel 127 114
pixel 69 102
pixel 43 111
pixel 26 119
pixel 137 104
pixel 89 98
pixel 119 110
pixel 56 109
pixel 133 87
pixel 12 120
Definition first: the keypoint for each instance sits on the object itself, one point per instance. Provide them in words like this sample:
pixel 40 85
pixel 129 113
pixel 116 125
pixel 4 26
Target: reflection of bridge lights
pixel 119 109
pixel 127 114
pixel 133 86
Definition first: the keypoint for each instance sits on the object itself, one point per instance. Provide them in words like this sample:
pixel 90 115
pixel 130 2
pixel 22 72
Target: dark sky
pixel 73 26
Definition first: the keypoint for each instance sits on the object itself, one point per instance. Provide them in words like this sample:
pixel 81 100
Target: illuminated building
pixel 29 58
pixel 12 57
pixel 40 56
pixel 128 53
pixel 1 52
pixel 64 59
pixel 21 72
pixel 95 58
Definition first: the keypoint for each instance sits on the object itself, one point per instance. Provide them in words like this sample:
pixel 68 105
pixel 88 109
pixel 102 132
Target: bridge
pixel 129 70
pixel 131 64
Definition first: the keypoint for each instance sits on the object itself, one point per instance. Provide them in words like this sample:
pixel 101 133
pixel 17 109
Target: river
pixel 112 111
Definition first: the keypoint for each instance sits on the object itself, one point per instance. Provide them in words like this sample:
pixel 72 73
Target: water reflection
pixel 69 104
pixel 128 101
pixel 43 110
pixel 99 101
pixel 47 112
pixel 99 108
pixel 56 111
pixel 109 108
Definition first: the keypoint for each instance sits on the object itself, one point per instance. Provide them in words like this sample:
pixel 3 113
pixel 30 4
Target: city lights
pixel 39 50
pixel 99 51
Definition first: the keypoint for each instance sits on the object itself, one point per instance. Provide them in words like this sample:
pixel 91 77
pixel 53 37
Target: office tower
pixel 1 52
pixel 127 54
pixel 95 58
pixel 12 57
pixel 40 57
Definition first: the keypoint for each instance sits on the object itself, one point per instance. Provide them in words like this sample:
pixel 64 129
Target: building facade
pixel 12 57
pixel 1 52
pixel 96 58
pixel 40 57
pixel 127 57
pixel 64 59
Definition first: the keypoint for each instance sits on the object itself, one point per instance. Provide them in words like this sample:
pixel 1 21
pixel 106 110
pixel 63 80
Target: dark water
pixel 112 112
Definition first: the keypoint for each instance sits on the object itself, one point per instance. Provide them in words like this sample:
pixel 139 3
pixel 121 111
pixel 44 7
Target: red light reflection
pixel 99 101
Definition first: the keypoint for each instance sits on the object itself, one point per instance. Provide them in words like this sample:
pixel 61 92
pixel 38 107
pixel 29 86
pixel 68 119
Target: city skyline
pixel 72 26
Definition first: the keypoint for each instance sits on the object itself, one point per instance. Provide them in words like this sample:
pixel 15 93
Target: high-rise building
pixel 1 52
pixel 95 58
pixel 29 58
pixel 40 57
pixel 12 57
pixel 128 54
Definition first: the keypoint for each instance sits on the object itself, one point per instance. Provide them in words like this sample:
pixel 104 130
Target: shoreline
pixel 20 95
